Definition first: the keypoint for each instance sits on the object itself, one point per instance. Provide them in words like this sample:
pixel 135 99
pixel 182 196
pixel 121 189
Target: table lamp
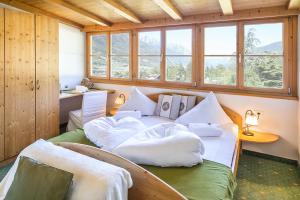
pixel 251 119
pixel 120 100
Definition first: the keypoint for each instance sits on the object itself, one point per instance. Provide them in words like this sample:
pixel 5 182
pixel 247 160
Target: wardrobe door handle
pixel 38 86
pixel 31 85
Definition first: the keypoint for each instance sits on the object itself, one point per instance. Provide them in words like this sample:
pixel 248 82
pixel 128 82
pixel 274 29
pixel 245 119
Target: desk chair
pixel 93 107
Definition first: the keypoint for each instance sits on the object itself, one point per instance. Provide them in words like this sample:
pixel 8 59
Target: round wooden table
pixel 260 137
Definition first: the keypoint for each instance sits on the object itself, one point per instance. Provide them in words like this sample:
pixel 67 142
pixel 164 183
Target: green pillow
pixel 37 181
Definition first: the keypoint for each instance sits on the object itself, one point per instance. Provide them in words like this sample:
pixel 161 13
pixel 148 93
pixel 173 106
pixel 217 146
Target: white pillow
pixel 205 130
pixel 138 101
pixel 122 114
pixel 207 111
pixel 168 106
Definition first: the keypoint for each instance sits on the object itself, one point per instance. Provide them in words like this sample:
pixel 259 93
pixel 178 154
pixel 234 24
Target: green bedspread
pixel 208 181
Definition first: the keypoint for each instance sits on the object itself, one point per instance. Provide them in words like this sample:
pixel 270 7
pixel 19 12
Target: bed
pixel 214 179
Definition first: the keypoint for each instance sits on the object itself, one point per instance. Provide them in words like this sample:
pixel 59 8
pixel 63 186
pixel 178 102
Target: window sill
pixel 179 86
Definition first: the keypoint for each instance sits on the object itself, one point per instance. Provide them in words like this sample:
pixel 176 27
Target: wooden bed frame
pixel 147 186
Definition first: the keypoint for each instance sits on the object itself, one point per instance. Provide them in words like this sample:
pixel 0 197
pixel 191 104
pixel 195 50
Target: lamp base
pixel 248 133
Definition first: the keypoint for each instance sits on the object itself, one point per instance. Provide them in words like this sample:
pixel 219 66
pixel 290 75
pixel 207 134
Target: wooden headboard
pixel 234 116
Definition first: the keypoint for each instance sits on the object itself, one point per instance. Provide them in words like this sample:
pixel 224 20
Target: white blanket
pixel 108 133
pixel 122 114
pixel 92 179
pixel 164 145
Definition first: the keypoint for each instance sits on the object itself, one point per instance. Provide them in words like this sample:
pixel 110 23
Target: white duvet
pixel 165 145
pixel 92 179
pixel 108 133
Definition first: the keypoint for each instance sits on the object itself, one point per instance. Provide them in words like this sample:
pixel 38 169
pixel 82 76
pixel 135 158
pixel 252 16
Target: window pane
pixel 263 71
pixel 119 59
pixel 179 42
pixel 220 40
pixel 119 66
pixel 120 44
pixel 98 66
pixel 220 70
pixel 98 44
pixel 149 67
pixel 263 39
pixel 179 68
pixel 149 43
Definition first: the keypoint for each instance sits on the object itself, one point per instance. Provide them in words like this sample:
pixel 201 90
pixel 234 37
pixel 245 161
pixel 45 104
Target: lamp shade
pixel 120 100
pixel 251 120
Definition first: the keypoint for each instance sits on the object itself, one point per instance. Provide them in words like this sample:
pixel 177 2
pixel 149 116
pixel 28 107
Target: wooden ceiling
pixel 106 13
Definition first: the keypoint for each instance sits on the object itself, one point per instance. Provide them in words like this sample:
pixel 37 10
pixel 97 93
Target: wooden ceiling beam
pixel 294 4
pixel 250 14
pixel 226 6
pixel 120 10
pixel 89 16
pixel 35 10
pixel 169 8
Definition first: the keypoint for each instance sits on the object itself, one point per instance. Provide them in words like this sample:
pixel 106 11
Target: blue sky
pixel 181 38
pixel 267 33
pixel 219 40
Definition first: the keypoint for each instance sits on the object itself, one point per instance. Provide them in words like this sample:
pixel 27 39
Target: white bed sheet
pixel 218 149
pixel 154 120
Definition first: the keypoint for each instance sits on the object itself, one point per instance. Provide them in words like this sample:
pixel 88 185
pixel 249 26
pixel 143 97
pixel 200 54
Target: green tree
pixel 263 70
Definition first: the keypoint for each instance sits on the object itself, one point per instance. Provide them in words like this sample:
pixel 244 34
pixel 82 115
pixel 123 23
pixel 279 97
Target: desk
pixel 74 93
pixel 71 100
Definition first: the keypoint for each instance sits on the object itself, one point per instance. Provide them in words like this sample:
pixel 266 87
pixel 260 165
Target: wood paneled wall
pixel 2 84
pixel 47 83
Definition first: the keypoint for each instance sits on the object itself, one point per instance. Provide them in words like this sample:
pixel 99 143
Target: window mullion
pixel 240 55
pixel 108 48
pixel 200 54
pixel 163 55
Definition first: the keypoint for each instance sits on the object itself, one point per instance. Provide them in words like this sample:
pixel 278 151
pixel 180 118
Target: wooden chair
pixel 93 107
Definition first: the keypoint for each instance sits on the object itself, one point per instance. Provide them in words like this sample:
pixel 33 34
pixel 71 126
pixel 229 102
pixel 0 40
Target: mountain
pixel 273 48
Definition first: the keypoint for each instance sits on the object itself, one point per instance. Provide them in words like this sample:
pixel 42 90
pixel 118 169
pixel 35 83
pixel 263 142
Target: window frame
pixel 202 55
pixel 129 56
pixel 285 55
pixel 88 56
pixel 136 54
pixel 290 31
pixel 193 55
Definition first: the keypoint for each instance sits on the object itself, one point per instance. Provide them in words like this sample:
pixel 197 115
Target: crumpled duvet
pixel 108 133
pixel 164 145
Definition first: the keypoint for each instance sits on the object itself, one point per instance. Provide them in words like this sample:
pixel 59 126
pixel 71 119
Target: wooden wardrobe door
pixel 19 81
pixel 47 83
pixel 1 84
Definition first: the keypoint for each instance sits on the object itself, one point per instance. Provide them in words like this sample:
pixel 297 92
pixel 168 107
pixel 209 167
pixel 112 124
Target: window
pixel 179 55
pixel 263 55
pixel 220 55
pixel 119 55
pixel 149 55
pixel 255 57
pixel 98 55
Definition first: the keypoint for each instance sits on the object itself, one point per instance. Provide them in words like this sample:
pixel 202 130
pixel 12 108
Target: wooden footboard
pixel 146 186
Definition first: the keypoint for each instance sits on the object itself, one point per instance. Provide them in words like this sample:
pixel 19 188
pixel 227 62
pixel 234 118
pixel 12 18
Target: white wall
pixel 71 56
pixel 278 116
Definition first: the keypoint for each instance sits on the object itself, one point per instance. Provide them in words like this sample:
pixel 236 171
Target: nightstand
pixel 259 137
